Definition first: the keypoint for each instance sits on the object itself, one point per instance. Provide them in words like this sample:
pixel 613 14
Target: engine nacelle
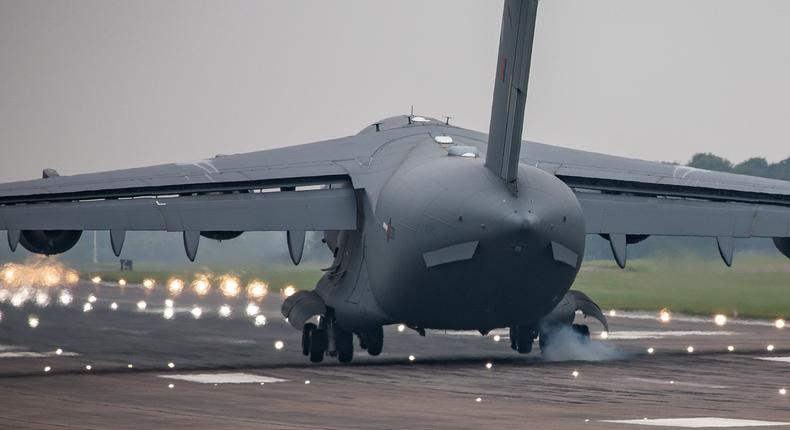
pixel 783 245
pixel 49 242
pixel 221 235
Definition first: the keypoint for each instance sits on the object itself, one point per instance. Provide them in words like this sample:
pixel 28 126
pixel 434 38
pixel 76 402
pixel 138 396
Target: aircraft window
pixel 463 151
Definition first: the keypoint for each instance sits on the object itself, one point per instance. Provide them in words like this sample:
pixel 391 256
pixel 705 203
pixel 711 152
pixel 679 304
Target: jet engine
pixel 221 235
pixel 49 242
pixel 783 245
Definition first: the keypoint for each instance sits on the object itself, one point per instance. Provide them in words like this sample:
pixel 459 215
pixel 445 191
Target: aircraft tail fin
pixel 510 89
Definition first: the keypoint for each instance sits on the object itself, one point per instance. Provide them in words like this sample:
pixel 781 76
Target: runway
pixel 149 372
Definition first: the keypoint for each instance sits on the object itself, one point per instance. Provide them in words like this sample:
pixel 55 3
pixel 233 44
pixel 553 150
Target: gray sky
pixel 100 85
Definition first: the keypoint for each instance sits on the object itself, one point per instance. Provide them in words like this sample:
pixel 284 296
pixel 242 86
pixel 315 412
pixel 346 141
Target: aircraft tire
pixel 344 342
pixel 306 333
pixel 375 340
pixel 318 345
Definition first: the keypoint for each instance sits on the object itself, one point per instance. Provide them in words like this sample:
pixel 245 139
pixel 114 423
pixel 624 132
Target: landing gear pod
pixel 49 242
pixel 564 314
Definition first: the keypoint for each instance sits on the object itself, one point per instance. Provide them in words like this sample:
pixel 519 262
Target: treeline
pixel 756 166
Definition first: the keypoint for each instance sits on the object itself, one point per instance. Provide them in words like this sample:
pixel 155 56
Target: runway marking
pixel 224 378
pixel 634 335
pixel 30 354
pixel 777 359
pixel 677 383
pixel 692 319
pixel 707 422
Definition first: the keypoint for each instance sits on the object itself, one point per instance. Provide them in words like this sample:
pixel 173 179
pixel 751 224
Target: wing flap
pixel 310 210
pixel 628 214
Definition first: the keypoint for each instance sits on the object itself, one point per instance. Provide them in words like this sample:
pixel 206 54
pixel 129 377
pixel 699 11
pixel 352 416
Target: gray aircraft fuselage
pixel 448 245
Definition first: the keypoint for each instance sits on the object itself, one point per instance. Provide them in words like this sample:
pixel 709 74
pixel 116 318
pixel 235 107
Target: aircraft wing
pixel 299 188
pixel 626 200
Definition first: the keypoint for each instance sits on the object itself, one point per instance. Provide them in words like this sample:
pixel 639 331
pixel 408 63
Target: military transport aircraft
pixel 431 225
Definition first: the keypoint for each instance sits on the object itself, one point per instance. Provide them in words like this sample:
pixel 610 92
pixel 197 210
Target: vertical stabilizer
pixel 510 89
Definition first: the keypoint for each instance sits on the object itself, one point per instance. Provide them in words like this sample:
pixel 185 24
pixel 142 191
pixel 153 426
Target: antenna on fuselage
pixel 510 89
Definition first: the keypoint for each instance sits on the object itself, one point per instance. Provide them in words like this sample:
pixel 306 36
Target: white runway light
pixel 65 298
pixel 769 348
pixel 575 373
pixel 168 313
pixel 42 299
pixel 664 316
pixel 47 369
pixel 32 321
pixel 260 320
pixel 279 345
pixel 604 335
pixel 87 307
pixel 224 311
pixel 651 350
pixel 289 291
pixel 780 323
pixel 171 365
pixel 257 290
pixel 731 348
pixel 497 338
pixel 141 305
pixel 169 303
pixel 252 309
pixel 489 365
pixel 88 367
pixel 720 320
pixel 230 286
pixel 783 391
pixel 412 358
pixel 122 282
pixel 58 351
pixel 91 299
pixel 401 328
pixel 149 284
pixel 114 306
pixel 175 286
pixel 196 312
pixel 690 349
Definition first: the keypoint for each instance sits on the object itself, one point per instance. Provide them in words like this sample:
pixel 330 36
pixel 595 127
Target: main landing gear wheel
pixel 521 339
pixel 582 330
pixel 306 333
pixel 372 340
pixel 318 344
pixel 344 343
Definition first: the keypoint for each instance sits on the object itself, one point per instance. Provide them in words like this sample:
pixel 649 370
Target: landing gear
pixel 521 338
pixel 306 333
pixel 318 344
pixel 329 339
pixel 376 341
pixel 372 340
pixel 344 344
pixel 582 331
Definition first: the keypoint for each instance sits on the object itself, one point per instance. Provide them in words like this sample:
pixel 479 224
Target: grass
pixel 757 286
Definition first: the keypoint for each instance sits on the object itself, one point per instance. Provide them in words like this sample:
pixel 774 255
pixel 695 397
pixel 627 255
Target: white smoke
pixel 564 344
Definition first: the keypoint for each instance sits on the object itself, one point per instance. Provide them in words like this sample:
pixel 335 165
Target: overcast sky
pixel 100 85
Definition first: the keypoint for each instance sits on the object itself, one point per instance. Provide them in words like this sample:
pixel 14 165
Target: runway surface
pixel 227 373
